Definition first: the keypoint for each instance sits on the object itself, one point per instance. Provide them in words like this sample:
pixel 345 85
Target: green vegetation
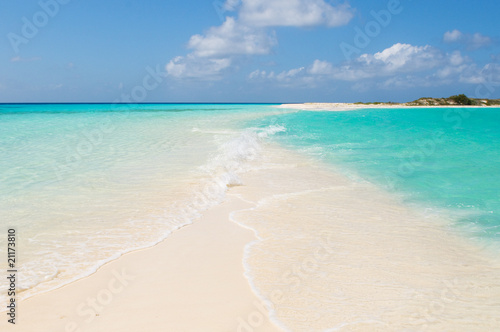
pixel 461 100
pixel 492 102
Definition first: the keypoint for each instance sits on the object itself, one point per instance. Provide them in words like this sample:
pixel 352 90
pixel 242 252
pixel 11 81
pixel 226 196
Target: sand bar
pixel 192 281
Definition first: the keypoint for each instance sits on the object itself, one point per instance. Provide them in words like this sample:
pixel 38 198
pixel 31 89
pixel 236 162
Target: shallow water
pixel 335 254
pixel 442 159
pixel 364 218
pixel 83 184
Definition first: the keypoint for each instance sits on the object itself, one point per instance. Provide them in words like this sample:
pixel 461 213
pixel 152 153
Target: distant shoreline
pixel 426 102
pixel 352 106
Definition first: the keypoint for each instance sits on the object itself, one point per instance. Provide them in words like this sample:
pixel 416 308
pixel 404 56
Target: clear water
pixel 83 184
pixel 439 158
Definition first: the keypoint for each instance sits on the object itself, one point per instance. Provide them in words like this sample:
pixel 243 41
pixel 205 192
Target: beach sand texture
pixel 326 255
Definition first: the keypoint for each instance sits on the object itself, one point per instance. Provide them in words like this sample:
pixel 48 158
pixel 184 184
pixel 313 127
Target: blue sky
pixel 247 50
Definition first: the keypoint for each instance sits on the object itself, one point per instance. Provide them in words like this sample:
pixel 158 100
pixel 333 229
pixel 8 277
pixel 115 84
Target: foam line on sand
pixel 192 281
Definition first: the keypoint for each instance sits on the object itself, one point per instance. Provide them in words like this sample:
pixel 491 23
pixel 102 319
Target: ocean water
pixel 363 218
pixel 369 220
pixel 84 184
pixel 445 160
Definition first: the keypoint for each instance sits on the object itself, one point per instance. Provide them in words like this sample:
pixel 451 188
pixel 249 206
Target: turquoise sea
pixel 83 184
pixel 442 159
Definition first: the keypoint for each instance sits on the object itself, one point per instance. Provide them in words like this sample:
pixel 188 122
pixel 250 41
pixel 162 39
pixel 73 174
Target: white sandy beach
pixel 329 255
pixel 193 281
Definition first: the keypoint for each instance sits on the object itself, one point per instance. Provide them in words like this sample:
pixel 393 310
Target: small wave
pixel 232 158
pixel 208 188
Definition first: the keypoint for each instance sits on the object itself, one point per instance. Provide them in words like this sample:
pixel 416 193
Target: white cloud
pixel 296 77
pixel 289 74
pixel 471 41
pixel 321 68
pixel 478 40
pixel 296 13
pixel 452 36
pixel 491 72
pixel 256 74
pixel 399 66
pixel 284 76
pixel 405 81
pixel 489 75
pixel 456 58
pixel 454 65
pixel 214 52
pixel 194 67
pixel 401 55
pixel 408 66
pixel 232 39
pixel 399 58
pixel 219 47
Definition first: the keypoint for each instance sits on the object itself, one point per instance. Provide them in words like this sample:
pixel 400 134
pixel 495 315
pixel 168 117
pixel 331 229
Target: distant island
pixel 454 101
pixel 458 100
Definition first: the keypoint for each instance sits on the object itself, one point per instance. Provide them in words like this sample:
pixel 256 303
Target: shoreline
pixel 191 281
pixel 381 267
pixel 340 107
